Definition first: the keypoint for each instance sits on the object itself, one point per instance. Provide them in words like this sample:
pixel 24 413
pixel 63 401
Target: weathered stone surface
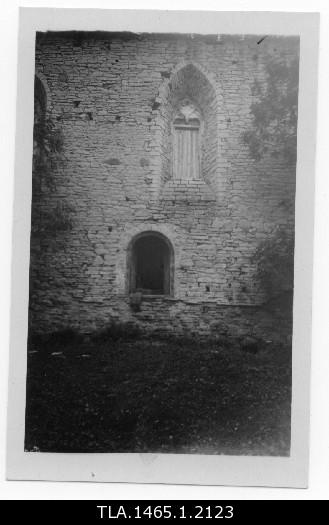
pixel 112 162
pixel 117 175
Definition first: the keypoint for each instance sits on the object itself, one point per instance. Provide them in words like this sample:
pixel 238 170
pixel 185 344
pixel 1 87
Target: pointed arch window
pixel 187 142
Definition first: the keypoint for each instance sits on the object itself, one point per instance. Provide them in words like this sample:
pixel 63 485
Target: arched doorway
pixel 150 263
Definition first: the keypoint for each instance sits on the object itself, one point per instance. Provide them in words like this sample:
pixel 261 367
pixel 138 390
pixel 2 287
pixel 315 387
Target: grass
pixel 111 393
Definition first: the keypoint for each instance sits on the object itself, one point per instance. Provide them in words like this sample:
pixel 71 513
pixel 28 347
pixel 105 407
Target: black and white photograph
pixel 162 242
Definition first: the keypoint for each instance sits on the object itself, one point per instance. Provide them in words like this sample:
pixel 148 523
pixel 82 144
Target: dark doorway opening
pixel 150 265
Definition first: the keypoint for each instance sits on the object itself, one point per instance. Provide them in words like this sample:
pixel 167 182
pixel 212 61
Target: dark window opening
pixel 150 265
pixel 39 131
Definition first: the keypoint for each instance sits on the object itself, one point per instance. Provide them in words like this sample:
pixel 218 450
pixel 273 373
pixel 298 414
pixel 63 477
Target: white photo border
pixel 166 468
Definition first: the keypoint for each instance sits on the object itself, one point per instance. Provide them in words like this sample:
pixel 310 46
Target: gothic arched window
pixel 186 142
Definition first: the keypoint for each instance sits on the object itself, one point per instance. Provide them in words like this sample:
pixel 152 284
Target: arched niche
pixel 150 264
pixel 191 88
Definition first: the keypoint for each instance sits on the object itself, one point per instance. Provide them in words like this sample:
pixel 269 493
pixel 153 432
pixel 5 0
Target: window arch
pixel 150 264
pixel 186 142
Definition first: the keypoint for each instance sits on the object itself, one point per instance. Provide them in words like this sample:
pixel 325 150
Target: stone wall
pixel 112 96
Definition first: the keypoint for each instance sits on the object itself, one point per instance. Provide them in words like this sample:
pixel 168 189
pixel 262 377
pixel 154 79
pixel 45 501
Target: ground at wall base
pixel 138 394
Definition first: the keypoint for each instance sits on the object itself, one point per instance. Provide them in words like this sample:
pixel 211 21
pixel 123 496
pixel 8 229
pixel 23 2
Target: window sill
pixel 145 297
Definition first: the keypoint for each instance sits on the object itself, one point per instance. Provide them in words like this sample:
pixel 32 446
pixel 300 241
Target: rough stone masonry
pixel 121 103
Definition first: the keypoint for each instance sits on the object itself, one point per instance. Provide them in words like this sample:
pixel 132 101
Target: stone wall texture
pixel 113 97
